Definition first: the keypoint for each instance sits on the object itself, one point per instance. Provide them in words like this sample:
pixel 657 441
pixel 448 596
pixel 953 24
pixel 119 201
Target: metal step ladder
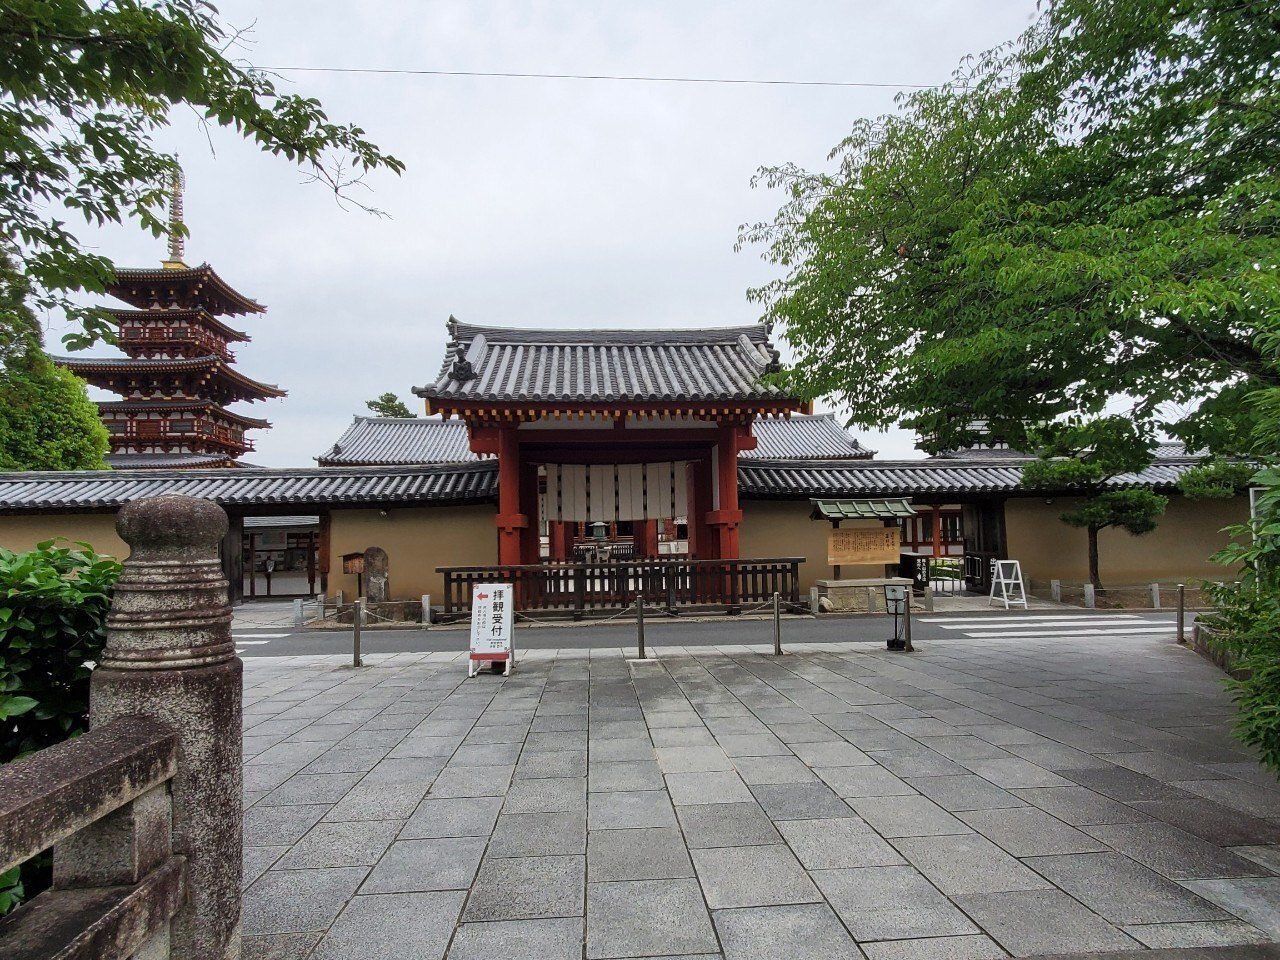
pixel 1006 584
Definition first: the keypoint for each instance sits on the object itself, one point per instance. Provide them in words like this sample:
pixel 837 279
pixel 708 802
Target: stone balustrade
pixel 143 812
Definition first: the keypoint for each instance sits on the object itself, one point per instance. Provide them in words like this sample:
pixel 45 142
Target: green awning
pixel 861 509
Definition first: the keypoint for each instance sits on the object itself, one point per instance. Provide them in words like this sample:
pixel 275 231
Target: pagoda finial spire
pixel 177 242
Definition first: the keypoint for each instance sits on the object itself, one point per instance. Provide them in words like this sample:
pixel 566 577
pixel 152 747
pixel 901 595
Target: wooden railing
pixel 179 335
pixel 201 429
pixel 583 589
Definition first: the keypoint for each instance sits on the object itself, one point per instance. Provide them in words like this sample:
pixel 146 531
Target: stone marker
pixel 377 587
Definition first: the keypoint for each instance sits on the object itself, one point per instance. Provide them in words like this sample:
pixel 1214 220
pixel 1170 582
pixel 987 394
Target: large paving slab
pixel 977 799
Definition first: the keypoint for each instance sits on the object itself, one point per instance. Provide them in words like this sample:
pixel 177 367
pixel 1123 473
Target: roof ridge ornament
pixel 775 360
pixel 462 370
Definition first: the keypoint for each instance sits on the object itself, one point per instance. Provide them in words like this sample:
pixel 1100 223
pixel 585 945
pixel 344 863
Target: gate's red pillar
pixel 646 538
pixel 726 517
pixel 702 545
pixel 937 530
pixel 558 535
pixel 531 535
pixel 510 520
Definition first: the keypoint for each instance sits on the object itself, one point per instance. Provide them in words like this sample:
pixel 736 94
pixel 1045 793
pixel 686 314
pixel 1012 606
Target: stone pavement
pixel 975 799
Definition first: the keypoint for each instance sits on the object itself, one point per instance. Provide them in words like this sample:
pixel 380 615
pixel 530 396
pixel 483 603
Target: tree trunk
pixel 1094 576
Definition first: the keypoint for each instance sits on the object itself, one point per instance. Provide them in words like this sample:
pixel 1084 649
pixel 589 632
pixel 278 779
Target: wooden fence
pixel 583 589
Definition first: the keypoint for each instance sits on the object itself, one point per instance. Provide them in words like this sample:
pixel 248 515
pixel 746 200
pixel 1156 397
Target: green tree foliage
pixel 1246 621
pixel 85 88
pixel 1089 214
pixel 1136 510
pixel 389 405
pixel 1216 480
pixel 53 614
pixel 47 421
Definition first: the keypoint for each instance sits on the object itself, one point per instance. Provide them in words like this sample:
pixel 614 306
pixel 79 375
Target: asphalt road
pixel 278 641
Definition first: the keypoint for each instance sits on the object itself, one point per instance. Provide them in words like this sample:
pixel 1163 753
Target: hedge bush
pixel 53 623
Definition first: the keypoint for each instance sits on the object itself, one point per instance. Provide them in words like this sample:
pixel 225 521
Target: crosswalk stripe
pixel 1051 635
pixel 1057 618
pixel 1055 625
pixel 257 636
pixel 251 643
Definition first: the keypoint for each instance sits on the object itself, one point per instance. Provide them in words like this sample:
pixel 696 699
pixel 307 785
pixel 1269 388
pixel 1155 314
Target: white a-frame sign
pixel 1006 583
pixel 492 612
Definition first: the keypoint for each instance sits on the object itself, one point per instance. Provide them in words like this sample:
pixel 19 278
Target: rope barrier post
pixel 1182 612
pixel 640 625
pixel 906 624
pixel 777 624
pixel 357 615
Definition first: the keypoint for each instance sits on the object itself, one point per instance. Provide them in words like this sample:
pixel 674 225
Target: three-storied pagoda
pixel 177 376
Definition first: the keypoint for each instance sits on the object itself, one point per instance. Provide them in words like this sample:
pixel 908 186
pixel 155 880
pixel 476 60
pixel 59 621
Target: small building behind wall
pixel 280 556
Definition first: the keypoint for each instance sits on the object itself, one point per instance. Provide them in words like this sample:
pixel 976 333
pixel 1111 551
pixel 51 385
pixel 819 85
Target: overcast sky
pixel 540 203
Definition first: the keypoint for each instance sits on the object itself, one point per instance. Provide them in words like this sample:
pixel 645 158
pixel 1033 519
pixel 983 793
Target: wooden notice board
pixel 846 547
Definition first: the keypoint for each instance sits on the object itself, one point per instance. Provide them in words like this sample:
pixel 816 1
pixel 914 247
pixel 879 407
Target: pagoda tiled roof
pixel 208 366
pixel 605 367
pixel 203 276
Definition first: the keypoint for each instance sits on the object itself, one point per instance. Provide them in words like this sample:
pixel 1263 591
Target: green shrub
pixel 1246 621
pixel 53 623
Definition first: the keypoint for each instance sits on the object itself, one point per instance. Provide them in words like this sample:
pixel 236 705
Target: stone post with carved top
pixel 169 655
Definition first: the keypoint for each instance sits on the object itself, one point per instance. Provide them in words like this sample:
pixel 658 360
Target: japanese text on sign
pixel 491 618
pixel 864 546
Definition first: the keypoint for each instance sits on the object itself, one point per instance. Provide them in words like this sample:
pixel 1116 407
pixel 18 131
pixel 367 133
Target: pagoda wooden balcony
pixel 158 431
pixel 581 590
pixel 187 340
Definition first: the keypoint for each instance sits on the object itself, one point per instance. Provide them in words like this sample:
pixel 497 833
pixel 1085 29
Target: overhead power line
pixel 510 75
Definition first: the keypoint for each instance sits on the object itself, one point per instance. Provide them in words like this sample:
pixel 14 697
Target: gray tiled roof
pixel 477 482
pixel 408 440
pixel 168 461
pixel 1170 449
pixel 259 523
pixel 400 440
pixel 1164 450
pixel 982 453
pixel 841 509
pixel 816 437
pixel 795 478
pixel 89 489
pixel 511 364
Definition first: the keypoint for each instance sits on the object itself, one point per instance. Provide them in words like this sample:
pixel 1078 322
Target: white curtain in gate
pixel 622 491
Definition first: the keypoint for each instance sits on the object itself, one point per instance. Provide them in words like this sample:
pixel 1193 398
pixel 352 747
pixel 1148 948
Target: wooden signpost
pixel 875 546
pixel 492 613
